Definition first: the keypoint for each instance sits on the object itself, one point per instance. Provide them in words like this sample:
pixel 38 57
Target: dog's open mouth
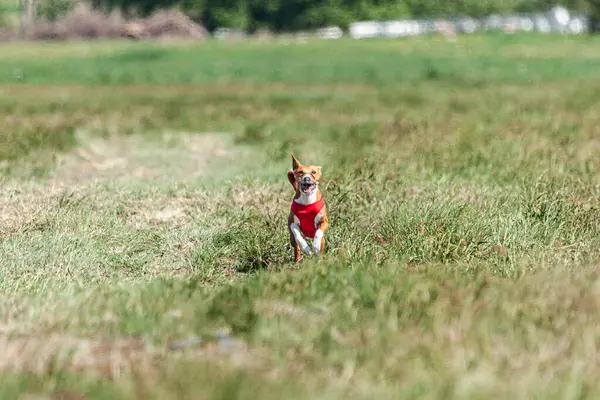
pixel 307 187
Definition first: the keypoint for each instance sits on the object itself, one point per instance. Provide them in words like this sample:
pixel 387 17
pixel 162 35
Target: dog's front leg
pixel 295 228
pixel 321 223
pixel 317 242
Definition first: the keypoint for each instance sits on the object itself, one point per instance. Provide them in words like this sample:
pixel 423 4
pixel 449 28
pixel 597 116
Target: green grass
pixel 471 61
pixel 144 203
pixel 9 13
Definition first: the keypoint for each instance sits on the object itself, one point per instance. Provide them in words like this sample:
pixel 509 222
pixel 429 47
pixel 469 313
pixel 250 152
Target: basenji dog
pixel 308 213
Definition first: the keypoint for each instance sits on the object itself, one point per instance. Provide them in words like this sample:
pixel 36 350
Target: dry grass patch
pixel 177 157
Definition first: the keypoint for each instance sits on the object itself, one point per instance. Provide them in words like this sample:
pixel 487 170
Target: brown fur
pixel 294 174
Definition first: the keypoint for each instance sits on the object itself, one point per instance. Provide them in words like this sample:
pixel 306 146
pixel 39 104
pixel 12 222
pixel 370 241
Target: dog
pixel 308 213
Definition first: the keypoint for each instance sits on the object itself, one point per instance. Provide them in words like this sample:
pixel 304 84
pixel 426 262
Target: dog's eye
pixel 314 172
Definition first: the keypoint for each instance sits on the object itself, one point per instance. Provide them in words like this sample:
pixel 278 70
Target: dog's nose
pixel 306 179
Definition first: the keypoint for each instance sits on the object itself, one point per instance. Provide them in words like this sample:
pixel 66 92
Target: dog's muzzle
pixel 307 185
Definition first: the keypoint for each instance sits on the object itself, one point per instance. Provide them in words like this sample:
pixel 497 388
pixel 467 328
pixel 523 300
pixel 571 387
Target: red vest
pixel 306 213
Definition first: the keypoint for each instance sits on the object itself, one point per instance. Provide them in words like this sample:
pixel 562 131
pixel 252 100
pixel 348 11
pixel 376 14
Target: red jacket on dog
pixel 307 213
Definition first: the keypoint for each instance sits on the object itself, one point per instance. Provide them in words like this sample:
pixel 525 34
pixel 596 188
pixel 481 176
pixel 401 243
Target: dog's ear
pixel 295 163
pixel 292 179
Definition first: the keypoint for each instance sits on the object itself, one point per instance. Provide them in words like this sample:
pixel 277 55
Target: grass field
pixel 143 217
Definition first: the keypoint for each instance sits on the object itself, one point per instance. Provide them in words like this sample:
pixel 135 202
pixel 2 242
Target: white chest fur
pixel 306 199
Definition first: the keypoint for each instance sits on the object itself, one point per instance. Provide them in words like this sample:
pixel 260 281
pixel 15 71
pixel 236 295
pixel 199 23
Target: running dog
pixel 308 213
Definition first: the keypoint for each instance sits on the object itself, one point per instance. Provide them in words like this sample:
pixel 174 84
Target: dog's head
pixel 304 178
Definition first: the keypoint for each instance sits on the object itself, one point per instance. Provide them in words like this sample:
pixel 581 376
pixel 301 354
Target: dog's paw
pixel 305 248
pixel 316 245
pixel 316 249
